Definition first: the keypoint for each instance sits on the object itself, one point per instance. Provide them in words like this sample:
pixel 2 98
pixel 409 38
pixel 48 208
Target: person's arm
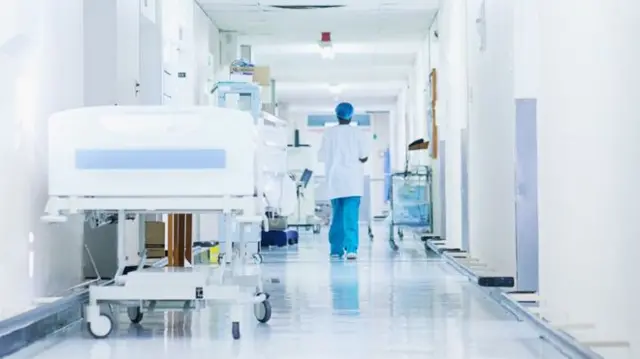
pixel 363 149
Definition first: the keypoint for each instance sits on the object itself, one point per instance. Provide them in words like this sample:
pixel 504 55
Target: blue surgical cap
pixel 344 111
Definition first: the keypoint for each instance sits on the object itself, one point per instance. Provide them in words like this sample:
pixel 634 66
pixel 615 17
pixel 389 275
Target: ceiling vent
pixel 306 7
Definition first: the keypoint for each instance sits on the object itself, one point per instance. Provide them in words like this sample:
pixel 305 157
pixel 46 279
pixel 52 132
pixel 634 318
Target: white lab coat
pixel 341 150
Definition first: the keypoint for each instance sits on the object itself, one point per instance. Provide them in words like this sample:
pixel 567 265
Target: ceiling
pixel 374 41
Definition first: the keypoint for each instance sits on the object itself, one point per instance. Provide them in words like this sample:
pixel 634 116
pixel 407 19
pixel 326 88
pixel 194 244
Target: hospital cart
pixel 303 219
pixel 125 161
pixel 323 204
pixel 410 203
pixel 366 212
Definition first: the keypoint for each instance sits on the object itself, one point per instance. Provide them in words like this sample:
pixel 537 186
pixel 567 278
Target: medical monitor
pixel 306 177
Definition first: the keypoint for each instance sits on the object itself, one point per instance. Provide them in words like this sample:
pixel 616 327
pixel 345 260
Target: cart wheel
pixel 317 229
pixel 108 310
pixel 257 258
pixel 235 330
pixel 262 311
pixel 393 245
pixel 101 327
pixel 220 258
pixel 135 314
pixel 400 234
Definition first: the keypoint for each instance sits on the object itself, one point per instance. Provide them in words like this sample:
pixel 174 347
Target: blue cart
pixel 411 204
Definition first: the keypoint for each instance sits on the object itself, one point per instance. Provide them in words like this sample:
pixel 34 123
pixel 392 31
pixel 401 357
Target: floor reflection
pixel 401 305
pixel 345 288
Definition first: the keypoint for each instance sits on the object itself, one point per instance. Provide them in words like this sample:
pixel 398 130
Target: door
pixel 464 160
pixel 442 155
pixel 526 178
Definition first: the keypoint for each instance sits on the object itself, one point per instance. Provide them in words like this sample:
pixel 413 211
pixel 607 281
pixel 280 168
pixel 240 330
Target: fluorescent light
pixel 327 52
pixel 335 89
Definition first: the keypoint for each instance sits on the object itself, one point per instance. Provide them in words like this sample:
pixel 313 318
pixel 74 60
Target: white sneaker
pixel 352 256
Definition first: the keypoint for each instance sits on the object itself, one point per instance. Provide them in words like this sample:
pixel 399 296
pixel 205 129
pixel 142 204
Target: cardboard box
pixel 154 239
pixel 154 253
pixel 262 75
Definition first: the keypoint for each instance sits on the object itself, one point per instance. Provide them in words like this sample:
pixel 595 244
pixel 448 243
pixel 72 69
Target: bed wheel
pixel 135 314
pixel 101 327
pixel 235 330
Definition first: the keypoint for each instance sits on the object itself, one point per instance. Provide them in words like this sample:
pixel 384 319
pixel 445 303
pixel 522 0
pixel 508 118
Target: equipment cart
pixel 411 205
pixel 323 205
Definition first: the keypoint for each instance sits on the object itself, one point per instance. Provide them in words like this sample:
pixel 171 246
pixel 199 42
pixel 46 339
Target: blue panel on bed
pixel 168 159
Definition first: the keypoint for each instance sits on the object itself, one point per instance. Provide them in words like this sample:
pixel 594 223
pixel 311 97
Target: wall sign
pixel 322 120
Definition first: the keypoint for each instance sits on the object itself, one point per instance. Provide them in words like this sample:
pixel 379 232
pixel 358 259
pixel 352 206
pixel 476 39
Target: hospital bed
pixel 137 160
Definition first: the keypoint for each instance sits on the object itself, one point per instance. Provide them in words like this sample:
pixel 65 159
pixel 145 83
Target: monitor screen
pixel 306 177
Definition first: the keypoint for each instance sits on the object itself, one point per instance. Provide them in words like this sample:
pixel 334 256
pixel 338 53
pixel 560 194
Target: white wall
pixel 63 56
pixel 43 76
pixel 151 61
pixel 379 128
pixel 588 177
pixel 434 44
pixel 399 134
pixel 452 110
pixel 438 187
pixel 492 137
pixel 417 104
pixel 128 51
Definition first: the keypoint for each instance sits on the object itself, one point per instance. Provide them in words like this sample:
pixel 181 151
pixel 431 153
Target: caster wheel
pixel 235 330
pixel 317 229
pixel 257 258
pixel 135 314
pixel 220 258
pixel 100 327
pixel 262 311
pixel 393 245
pixel 400 235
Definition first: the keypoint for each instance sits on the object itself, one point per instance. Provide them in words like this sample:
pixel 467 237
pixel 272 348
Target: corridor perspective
pixel 446 179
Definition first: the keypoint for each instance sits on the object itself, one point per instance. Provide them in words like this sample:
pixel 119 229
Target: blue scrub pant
pixel 343 234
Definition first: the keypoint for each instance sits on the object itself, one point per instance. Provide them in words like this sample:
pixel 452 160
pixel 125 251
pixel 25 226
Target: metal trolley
pixel 323 205
pixel 411 205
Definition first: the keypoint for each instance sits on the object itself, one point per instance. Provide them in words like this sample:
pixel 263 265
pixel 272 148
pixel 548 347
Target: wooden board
pixel 433 78
pixel 180 235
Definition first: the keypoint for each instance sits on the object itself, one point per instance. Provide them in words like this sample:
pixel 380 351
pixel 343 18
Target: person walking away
pixel 344 151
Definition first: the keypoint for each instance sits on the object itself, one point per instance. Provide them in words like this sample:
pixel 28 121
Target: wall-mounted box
pixel 262 75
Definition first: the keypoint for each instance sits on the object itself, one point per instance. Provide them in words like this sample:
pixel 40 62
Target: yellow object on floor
pixel 213 254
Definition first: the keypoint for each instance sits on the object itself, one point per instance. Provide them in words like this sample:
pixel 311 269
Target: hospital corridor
pixel 446 179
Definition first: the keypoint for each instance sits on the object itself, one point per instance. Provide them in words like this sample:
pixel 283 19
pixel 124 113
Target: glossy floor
pixel 404 305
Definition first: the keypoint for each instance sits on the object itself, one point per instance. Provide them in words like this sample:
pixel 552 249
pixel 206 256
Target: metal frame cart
pixel 324 211
pixel 365 206
pixel 301 185
pixel 411 205
pixel 237 282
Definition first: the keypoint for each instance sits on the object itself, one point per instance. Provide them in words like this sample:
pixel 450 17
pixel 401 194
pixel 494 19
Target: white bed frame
pixel 225 190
